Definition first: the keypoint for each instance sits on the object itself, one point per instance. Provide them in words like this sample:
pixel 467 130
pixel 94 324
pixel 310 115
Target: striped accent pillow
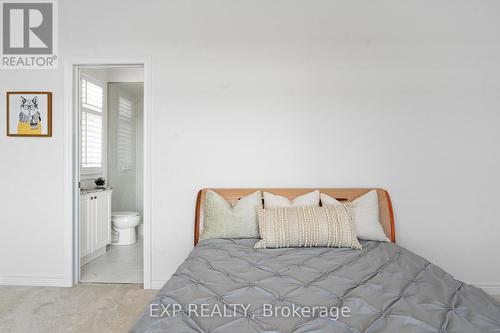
pixel 330 226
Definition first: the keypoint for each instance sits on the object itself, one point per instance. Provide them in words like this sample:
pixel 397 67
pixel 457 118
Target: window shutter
pixel 91 127
pixel 125 134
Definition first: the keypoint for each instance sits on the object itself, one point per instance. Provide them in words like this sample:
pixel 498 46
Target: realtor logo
pixel 29 34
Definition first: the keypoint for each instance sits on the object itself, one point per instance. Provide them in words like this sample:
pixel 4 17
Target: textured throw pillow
pixel 278 201
pixel 331 226
pixel 366 215
pixel 221 220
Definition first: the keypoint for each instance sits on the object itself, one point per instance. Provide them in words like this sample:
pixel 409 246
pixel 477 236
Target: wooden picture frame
pixel 29 114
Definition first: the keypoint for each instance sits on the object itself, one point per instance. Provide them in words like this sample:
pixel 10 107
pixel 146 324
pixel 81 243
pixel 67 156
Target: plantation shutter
pixel 92 127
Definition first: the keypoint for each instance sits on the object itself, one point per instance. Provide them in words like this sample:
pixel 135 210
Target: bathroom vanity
pixel 95 223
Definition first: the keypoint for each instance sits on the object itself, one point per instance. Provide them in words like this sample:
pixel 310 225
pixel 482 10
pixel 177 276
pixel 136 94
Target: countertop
pixel 94 189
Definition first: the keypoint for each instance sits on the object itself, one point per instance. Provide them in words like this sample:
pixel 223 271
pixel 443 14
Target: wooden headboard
pixel 342 194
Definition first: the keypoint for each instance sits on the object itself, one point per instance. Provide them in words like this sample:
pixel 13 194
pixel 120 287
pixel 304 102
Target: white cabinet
pixel 85 246
pixel 95 224
pixel 102 221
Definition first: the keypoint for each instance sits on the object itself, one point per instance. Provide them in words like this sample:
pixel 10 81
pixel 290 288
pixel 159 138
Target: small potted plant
pixel 100 182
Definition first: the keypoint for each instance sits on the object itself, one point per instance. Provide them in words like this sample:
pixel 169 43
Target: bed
pixel 225 285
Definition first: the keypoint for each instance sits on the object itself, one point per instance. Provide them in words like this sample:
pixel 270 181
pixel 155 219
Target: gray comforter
pixel 227 286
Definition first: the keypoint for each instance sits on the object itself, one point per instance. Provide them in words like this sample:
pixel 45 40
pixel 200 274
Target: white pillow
pixel 366 215
pixel 330 226
pixel 278 201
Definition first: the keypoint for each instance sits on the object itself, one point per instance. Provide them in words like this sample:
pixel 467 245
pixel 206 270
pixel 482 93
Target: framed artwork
pixel 29 114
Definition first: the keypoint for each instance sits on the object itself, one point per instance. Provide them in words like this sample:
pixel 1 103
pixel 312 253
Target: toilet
pixel 123 227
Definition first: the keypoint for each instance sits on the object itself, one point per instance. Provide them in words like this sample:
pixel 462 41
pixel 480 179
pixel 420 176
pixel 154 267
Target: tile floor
pixel 120 264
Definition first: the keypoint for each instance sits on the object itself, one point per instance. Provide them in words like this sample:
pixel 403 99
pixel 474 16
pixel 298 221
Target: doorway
pixel 110 178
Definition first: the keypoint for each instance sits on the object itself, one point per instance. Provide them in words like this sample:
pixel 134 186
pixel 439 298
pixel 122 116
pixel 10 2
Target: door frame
pixel 72 167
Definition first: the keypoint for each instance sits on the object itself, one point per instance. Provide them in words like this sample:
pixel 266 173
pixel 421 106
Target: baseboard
pixel 88 258
pixel 157 284
pixel 33 281
pixel 492 289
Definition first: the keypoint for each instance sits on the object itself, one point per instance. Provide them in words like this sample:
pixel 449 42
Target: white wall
pixel 126 74
pixel 398 94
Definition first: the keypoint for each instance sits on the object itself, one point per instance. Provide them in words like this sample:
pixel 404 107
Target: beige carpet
pixel 94 308
pixel 85 308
